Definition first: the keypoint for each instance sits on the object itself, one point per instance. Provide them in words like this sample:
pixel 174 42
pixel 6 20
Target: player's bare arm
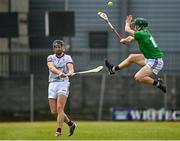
pixel 70 67
pixel 127 40
pixel 54 69
pixel 128 25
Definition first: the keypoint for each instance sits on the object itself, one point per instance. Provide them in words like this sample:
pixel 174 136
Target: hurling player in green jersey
pixel 150 58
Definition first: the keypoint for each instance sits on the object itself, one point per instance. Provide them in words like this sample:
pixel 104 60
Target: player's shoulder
pixel 50 58
pixel 51 55
pixel 142 33
pixel 67 55
pixel 68 58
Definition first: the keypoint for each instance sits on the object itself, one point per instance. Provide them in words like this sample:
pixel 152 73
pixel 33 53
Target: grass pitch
pixel 92 131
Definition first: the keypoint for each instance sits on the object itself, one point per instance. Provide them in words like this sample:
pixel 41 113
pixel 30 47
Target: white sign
pixel 149 115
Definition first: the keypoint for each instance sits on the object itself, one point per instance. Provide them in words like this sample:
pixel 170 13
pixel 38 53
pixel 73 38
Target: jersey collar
pixel 60 56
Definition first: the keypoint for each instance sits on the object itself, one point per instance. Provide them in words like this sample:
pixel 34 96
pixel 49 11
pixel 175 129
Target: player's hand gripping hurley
pixel 105 17
pixel 98 69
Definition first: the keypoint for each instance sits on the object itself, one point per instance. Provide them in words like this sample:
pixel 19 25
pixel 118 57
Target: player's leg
pixel 66 119
pixel 143 76
pixel 61 101
pixel 52 98
pixel 53 106
pixel 72 125
pixel 132 58
pixel 63 93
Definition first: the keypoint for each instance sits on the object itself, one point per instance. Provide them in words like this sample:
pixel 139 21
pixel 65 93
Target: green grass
pixel 92 131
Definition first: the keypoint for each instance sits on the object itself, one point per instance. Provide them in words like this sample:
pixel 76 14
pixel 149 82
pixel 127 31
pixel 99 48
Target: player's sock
pixel 159 84
pixel 70 123
pixel 155 83
pixel 72 128
pixel 115 68
pixel 58 132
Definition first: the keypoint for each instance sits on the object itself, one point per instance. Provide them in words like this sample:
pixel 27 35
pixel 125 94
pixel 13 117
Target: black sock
pixel 115 68
pixel 58 130
pixel 156 83
pixel 70 123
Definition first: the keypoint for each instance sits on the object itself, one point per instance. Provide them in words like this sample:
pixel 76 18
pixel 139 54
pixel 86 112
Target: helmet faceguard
pixel 59 44
pixel 140 23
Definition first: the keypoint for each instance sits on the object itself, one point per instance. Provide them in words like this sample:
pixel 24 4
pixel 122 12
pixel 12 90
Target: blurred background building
pixel 28 28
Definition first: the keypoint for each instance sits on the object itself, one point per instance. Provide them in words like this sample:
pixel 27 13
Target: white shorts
pixel 58 88
pixel 155 64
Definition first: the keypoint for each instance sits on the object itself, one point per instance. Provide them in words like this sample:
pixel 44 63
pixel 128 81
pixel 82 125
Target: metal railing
pixel 34 61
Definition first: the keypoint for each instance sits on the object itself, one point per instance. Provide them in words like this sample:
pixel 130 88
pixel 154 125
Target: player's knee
pixel 59 109
pixel 131 57
pixel 138 78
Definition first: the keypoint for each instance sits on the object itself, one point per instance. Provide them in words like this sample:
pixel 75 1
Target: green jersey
pixel 147 45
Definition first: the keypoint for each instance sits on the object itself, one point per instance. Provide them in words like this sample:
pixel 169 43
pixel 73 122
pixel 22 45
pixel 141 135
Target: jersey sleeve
pixel 49 58
pixel 69 60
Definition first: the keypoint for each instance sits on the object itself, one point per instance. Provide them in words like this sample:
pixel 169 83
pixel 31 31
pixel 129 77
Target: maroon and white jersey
pixel 61 64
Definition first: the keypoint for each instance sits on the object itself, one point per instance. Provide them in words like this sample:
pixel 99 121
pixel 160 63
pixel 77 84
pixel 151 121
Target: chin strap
pixel 140 28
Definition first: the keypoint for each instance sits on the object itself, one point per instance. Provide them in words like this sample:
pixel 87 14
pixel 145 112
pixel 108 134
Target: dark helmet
pixel 142 22
pixel 58 42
